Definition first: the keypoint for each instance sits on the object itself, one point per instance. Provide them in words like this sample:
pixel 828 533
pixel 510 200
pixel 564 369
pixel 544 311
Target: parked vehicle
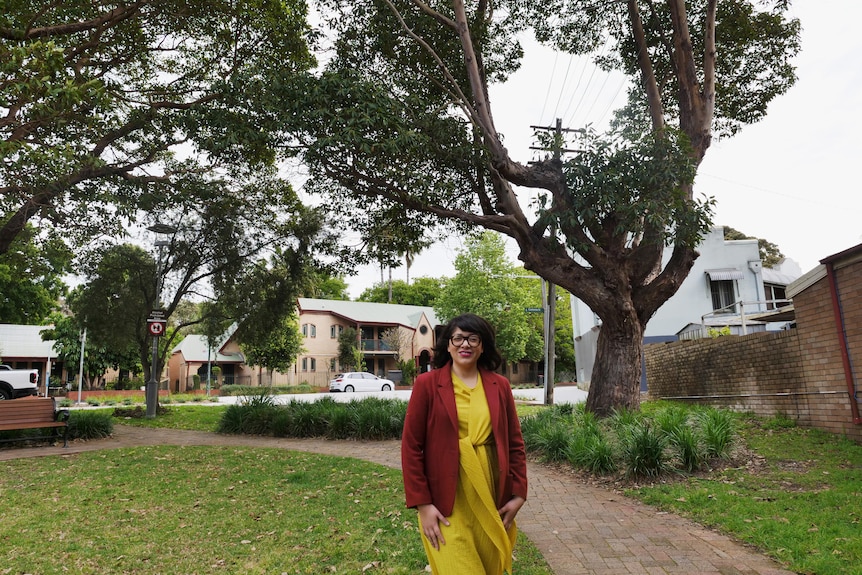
pixel 15 383
pixel 360 381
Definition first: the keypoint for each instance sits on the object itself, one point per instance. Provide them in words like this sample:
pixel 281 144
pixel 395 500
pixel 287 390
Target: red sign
pixel 156 327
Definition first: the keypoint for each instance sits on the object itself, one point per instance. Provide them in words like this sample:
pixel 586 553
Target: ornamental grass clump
pixel 718 429
pixel 661 439
pixel 644 450
pixel 90 424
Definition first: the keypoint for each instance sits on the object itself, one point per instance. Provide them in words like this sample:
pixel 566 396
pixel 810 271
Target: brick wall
pixel 799 373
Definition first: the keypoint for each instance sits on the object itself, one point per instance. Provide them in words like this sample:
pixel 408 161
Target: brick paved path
pixel 580 529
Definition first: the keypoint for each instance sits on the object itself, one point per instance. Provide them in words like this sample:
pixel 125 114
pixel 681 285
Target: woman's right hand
pixel 430 519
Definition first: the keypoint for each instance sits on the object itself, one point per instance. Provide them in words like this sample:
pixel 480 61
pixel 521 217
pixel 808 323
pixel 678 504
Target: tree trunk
pixel 616 373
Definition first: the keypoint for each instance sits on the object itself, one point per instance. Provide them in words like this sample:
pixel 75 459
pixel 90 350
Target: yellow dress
pixel 476 541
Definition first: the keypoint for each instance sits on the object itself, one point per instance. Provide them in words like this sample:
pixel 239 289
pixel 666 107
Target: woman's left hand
pixel 509 510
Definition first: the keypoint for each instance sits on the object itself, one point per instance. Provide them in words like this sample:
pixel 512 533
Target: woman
pixel 462 454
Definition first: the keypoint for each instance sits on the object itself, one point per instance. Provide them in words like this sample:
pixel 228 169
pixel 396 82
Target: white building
pixel 726 284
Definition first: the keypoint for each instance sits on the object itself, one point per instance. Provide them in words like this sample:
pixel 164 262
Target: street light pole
pixel 152 389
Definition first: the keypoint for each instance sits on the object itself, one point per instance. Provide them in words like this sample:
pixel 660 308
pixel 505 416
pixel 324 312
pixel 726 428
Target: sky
pixel 792 178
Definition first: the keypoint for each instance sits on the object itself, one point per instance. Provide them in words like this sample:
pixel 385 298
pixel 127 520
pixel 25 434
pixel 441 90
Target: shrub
pixel 90 424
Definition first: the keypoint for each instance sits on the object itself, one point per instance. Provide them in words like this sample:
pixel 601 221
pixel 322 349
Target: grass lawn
pixel 796 495
pixel 209 510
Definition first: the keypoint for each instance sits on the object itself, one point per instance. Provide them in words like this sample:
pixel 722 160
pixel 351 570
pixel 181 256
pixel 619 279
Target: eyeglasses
pixel 472 340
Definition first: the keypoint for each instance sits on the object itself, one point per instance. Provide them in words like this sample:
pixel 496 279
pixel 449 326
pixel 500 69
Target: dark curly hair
pixel 472 323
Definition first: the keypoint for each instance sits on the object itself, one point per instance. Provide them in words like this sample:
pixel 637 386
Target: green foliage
pixel 83 76
pixel 719 431
pixel 325 286
pixel 421 291
pixel 486 284
pixel 619 186
pixel 643 450
pixel 275 350
pixel 98 357
pixel 719 332
pixel 31 275
pixel 234 389
pixel 795 498
pixel 86 424
pixel 779 421
pixel 367 419
pixel 668 438
pixel 408 371
pixel 348 346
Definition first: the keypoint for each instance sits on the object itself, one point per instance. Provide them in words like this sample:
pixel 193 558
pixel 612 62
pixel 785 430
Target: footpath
pixel 580 529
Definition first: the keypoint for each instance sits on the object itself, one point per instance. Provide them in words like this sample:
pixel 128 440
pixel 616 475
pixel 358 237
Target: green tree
pixel 67 334
pixel 115 302
pixel 407 87
pixel 422 291
pixel 486 284
pixel 770 254
pixel 348 346
pixel 277 350
pixel 97 98
pixel 31 275
pixel 326 286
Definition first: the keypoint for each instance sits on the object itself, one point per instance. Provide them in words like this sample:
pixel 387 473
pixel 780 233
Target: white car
pixel 360 381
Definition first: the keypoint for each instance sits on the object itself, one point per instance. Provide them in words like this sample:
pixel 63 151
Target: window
pixel 332 364
pixel 723 296
pixel 333 331
pixel 312 364
pixel 304 364
pixel 514 367
pixel 312 330
pixel 775 292
pixel 722 288
pixel 305 330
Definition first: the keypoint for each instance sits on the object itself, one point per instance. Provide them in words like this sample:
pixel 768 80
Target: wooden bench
pixel 34 413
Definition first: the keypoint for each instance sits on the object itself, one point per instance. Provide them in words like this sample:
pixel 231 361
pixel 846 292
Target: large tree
pixel 401 117
pixel 96 100
pixel 246 251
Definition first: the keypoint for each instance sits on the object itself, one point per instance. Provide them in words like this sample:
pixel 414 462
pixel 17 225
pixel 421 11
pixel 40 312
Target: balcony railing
pixel 374 345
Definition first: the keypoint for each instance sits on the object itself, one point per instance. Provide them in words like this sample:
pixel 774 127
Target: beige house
pixel 321 322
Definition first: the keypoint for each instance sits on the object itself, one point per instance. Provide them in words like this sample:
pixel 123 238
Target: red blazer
pixel 429 442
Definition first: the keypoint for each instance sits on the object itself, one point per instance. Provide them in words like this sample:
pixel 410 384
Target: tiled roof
pixel 194 349
pixel 367 312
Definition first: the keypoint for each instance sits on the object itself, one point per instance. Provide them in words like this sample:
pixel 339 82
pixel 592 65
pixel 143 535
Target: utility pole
pixel 549 291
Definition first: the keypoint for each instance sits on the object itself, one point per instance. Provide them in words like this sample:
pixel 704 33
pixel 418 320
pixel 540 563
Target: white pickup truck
pixel 16 383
